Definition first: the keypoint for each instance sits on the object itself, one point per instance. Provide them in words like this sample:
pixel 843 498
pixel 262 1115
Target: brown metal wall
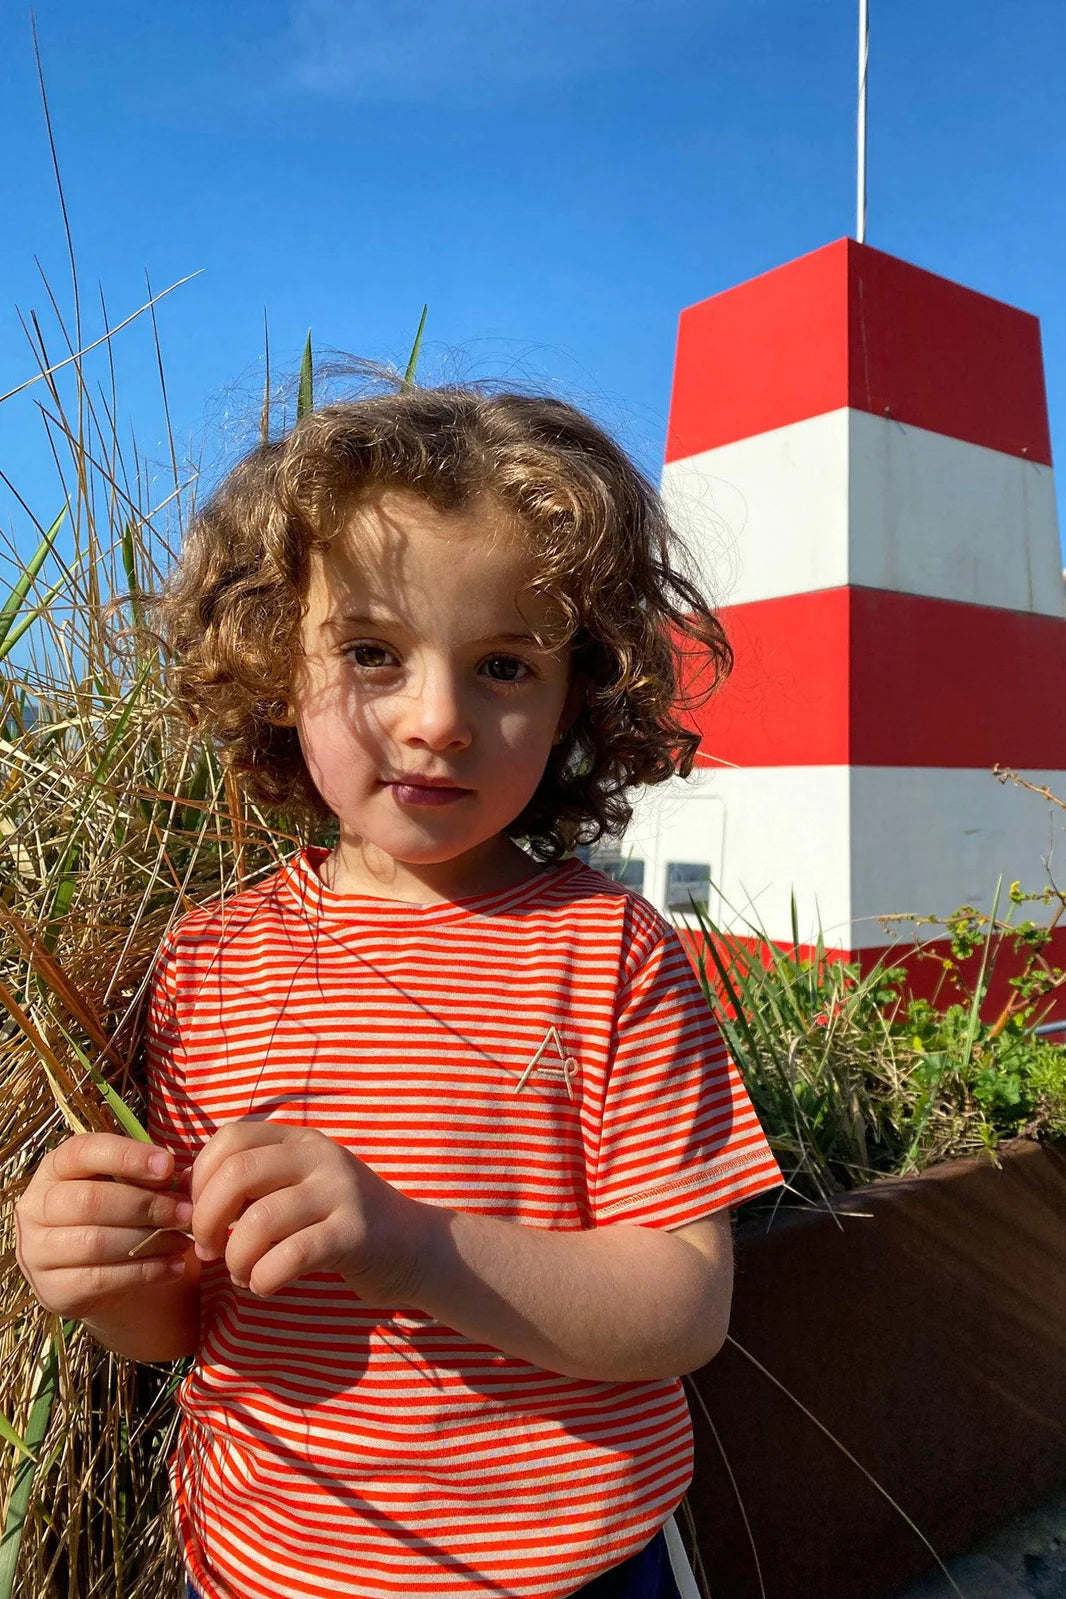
pixel 926 1328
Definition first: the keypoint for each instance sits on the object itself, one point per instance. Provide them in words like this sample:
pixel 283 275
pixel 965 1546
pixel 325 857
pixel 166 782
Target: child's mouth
pixel 428 793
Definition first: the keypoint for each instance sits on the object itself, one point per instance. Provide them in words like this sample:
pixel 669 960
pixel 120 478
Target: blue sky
pixel 557 178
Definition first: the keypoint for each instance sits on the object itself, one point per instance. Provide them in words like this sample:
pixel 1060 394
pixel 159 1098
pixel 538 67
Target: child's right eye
pixel 369 655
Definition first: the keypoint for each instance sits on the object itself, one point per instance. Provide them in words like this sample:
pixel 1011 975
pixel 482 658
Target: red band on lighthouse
pixel 851 326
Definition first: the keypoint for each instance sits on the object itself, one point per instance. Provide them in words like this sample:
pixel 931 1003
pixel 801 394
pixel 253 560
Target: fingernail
pixel 176 1265
pixel 183 1211
pixel 158 1163
pixel 203 1253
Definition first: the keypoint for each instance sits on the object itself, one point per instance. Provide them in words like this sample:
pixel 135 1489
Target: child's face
pixel 426 709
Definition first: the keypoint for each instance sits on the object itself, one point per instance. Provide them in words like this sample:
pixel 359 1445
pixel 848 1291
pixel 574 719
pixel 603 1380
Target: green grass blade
pixel 974 1025
pixel 739 1026
pixel 44 1395
pixel 61 899
pixel 129 558
pixel 17 598
pixel 103 767
pixel 117 1105
pixel 121 1111
pixel 305 394
pixel 764 985
pixel 129 566
pixel 416 350
pixel 15 1439
pixel 760 1000
pixel 11 638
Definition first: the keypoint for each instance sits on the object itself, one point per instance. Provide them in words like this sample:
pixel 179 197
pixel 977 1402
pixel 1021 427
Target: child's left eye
pixel 506 669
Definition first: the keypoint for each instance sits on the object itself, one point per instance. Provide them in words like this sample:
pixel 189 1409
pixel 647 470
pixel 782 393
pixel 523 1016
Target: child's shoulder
pixel 597 901
pixel 223 914
pixel 595 890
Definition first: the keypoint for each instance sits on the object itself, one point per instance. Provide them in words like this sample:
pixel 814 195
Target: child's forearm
pixel 157 1323
pixel 615 1304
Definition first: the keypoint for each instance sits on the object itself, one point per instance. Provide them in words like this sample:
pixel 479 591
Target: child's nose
pixel 438 716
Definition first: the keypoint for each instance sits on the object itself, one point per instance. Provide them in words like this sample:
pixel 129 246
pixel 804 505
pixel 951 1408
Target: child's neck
pixel 355 867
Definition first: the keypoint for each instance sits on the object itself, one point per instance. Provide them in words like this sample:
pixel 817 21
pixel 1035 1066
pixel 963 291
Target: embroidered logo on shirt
pixel 543 1061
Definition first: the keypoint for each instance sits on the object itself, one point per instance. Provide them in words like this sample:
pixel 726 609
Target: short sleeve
pixel 678 1136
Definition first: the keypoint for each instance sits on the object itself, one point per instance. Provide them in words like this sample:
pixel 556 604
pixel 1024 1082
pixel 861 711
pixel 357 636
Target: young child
pixel 463 1134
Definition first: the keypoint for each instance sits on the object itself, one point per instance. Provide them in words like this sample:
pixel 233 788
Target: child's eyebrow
pixel 353 619
pixel 385 619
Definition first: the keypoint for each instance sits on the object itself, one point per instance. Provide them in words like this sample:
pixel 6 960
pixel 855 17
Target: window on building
pixel 688 883
pixel 627 869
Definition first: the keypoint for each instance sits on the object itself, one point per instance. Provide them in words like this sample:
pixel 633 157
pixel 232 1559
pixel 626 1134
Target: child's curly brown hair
pixel 602 547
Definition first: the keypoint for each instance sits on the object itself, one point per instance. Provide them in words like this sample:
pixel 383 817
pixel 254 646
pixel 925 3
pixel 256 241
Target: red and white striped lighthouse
pixel 858 454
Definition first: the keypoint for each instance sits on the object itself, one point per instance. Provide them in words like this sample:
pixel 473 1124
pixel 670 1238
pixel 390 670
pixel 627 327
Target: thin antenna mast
pixel 864 56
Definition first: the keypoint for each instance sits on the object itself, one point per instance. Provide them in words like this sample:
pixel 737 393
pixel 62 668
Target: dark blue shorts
pixel 645 1575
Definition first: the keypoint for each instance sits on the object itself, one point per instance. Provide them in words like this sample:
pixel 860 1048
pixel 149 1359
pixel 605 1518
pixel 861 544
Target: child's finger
pixel 267 1223
pixel 244 1176
pixel 109 1155
pixel 111 1204
pixel 234 1139
pixel 81 1289
pixel 311 1249
pixel 181 1182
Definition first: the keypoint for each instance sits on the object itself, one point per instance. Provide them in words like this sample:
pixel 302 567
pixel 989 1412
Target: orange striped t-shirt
pixel 542 1055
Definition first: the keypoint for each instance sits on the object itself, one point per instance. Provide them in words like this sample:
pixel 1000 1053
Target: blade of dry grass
pixel 87 349
pixel 846 1452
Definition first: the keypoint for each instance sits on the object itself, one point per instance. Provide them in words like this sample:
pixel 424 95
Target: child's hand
pixel 90 1201
pixel 296 1202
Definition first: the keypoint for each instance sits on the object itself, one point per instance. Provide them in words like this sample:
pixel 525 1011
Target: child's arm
pixel 90 1202
pixel 618 1303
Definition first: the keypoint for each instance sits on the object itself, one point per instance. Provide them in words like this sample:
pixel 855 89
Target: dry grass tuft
pixel 113 820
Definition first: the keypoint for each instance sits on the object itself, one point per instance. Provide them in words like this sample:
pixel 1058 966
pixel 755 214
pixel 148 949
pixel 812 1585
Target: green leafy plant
pixel 854 1079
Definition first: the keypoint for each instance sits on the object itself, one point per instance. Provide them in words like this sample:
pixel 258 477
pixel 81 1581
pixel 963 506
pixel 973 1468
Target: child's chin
pixel 437 852
pixel 409 851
